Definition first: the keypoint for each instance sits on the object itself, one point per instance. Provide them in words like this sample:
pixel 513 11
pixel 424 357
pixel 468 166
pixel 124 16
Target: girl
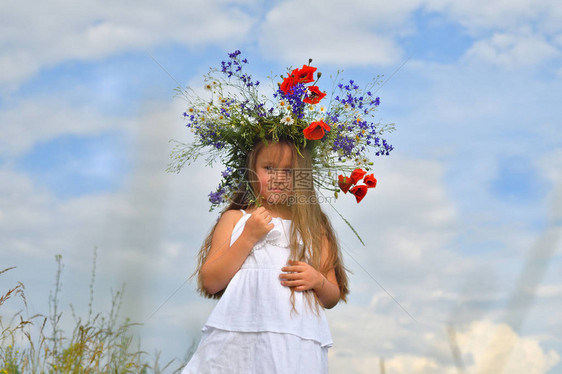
pixel 274 262
pixel 272 257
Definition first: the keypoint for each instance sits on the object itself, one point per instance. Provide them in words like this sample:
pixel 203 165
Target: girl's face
pixel 274 169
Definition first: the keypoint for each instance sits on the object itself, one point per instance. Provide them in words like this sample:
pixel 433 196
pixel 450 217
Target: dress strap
pixel 243 212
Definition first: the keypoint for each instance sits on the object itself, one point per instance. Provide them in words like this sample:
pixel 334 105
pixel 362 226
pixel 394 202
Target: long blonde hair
pixel 308 221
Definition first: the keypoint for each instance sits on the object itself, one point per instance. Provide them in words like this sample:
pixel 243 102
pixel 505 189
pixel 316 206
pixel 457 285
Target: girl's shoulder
pixel 232 214
pixel 230 217
pixel 225 225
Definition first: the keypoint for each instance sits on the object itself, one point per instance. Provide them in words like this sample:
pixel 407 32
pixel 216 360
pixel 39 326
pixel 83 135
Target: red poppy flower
pixel 359 192
pixel 370 180
pixel 305 75
pixel 314 95
pixel 316 130
pixel 344 183
pixel 356 175
pixel 288 83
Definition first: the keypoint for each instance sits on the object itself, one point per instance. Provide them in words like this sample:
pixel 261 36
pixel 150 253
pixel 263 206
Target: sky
pixel 462 233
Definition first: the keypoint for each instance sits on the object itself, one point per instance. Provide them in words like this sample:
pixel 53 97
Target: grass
pixel 98 343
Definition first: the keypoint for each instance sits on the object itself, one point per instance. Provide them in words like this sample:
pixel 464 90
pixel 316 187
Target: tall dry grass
pixel 98 343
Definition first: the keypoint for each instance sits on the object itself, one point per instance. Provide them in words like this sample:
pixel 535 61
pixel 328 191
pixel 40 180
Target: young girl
pixel 276 264
pixel 273 258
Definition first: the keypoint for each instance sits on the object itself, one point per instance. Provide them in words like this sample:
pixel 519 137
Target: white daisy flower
pixel 282 104
pixel 287 120
pixel 208 86
pixel 322 109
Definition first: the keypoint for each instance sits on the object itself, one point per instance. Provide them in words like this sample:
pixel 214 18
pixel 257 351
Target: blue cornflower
pixel 227 172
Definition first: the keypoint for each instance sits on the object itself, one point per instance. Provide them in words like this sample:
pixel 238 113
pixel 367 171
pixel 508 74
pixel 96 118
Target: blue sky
pixel 466 209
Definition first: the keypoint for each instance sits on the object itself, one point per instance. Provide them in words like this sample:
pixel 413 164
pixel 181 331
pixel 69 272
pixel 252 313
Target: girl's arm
pixel 225 260
pixel 304 277
pixel 328 291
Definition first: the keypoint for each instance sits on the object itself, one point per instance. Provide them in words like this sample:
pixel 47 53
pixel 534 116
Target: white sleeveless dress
pixel 252 329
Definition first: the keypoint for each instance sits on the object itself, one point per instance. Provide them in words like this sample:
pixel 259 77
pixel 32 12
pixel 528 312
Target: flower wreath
pixel 339 129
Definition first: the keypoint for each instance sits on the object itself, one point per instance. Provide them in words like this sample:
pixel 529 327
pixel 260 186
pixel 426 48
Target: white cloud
pixel 550 164
pixel 57 30
pixel 549 290
pixel 361 32
pixel 363 336
pixel 132 218
pixel 479 16
pixel 352 33
pixel 512 50
pixel 44 118
pixel 414 217
pixel 415 257
pixel 24 208
pixel 513 34
pixel 496 348
pixel 404 363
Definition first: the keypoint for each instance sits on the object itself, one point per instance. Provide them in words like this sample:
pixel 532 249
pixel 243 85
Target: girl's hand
pixel 258 225
pixel 302 276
